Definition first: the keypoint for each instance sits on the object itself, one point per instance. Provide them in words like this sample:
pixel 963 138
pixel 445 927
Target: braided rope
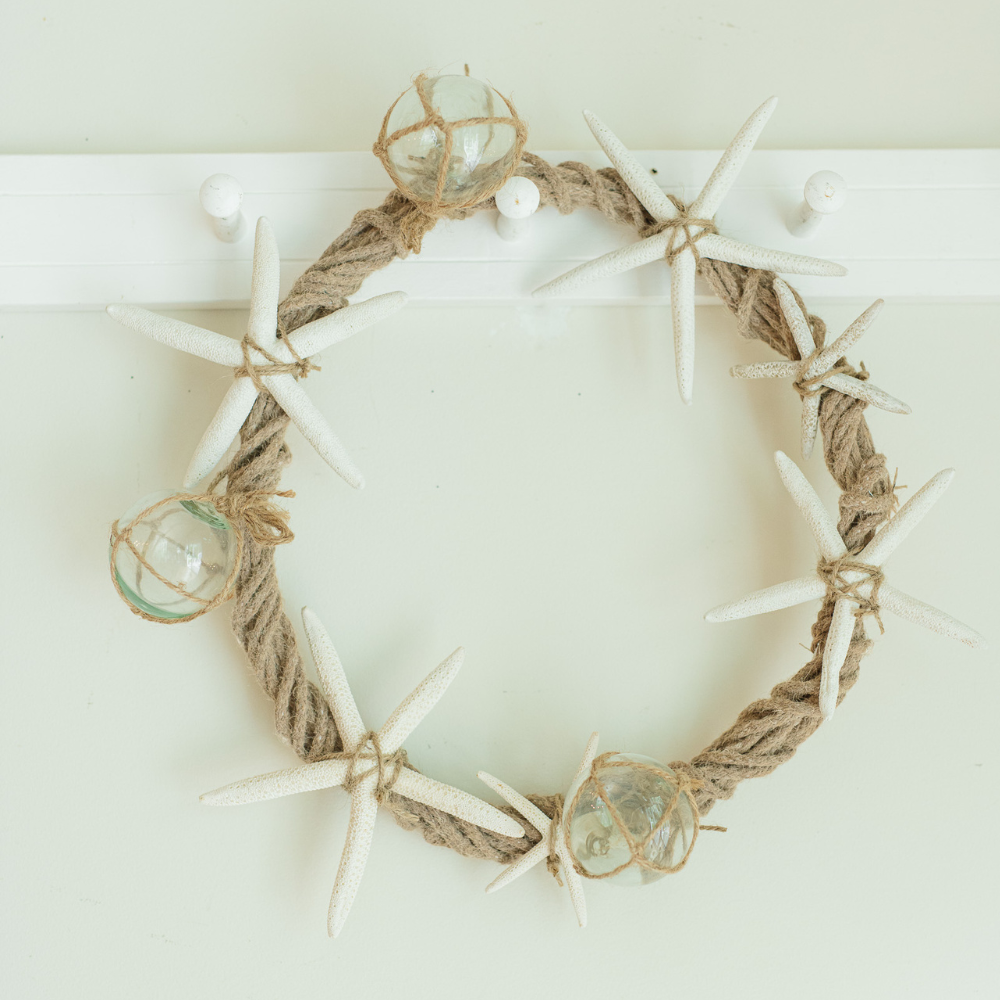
pixel 767 732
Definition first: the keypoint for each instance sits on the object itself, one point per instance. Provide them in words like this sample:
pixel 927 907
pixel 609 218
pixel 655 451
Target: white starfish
pixel 263 330
pixel 543 825
pixel 815 366
pixel 363 776
pixel 670 242
pixel 874 554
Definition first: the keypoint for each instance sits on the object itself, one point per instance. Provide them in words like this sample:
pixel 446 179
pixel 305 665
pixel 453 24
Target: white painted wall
pixel 540 496
pixel 537 493
pixel 210 75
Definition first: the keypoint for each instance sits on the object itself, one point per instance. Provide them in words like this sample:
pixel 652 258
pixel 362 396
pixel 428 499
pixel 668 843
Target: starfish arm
pixel 307 778
pixel 573 881
pixel 782 595
pixel 338 326
pixel 810 423
pixel 831 545
pixel 333 680
pixel 682 275
pixel 524 806
pixel 930 617
pixel 731 163
pixel 908 517
pixel 838 640
pixel 182 336
pixel 589 753
pixel 293 400
pixel 796 319
pixel 419 702
pixel 636 177
pixel 218 436
pixel 827 358
pixel 455 802
pixel 364 808
pixel 717 247
pixel 872 394
pixel 766 369
pixel 523 864
pixel 263 323
pixel 634 255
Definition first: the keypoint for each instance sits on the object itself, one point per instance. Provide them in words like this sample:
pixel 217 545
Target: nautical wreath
pixel 450 143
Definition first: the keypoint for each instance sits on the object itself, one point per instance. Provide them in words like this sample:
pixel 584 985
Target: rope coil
pixel 767 732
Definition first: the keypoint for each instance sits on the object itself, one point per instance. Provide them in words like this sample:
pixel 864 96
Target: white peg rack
pixel 83 231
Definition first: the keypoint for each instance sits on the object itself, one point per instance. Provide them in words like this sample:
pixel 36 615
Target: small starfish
pixel 688 239
pixel 816 368
pixel 367 785
pixel 552 840
pixel 262 332
pixel 856 579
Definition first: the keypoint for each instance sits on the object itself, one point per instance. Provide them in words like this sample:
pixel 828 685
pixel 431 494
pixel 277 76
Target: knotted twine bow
pixel 300 367
pixel 685 223
pixel 833 573
pixel 806 387
pixel 251 514
pixel 387 767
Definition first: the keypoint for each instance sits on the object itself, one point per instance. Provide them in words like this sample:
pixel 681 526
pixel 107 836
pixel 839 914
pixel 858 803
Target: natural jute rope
pixel 767 732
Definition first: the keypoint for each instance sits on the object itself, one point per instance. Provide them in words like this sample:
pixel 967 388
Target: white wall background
pixel 537 493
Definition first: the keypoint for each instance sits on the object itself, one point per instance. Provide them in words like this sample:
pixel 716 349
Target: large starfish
pixel 370 765
pixel 687 239
pixel 817 368
pixel 262 332
pixel 856 580
pixel 553 841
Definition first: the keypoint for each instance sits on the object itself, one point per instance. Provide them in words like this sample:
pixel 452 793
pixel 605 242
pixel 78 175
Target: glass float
pixel 182 555
pixel 479 158
pixel 640 790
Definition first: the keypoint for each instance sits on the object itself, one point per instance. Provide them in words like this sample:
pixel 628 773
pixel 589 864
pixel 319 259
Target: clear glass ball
pixel 481 155
pixel 640 797
pixel 188 542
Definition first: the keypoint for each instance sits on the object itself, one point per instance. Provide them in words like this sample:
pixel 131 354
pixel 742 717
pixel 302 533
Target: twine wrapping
pixel 683 785
pixel 300 367
pixel 833 573
pixel 426 210
pixel 767 732
pixel 387 767
pixel 685 224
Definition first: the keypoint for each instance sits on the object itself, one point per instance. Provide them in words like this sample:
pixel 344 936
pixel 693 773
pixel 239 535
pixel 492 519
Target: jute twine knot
pixel 299 367
pixel 429 204
pixel 367 759
pixel 251 514
pixel 683 783
pixel 806 387
pixel 685 223
pixel 552 859
pixel 833 572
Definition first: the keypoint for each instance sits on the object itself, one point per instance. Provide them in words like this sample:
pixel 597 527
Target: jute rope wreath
pixel 764 735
